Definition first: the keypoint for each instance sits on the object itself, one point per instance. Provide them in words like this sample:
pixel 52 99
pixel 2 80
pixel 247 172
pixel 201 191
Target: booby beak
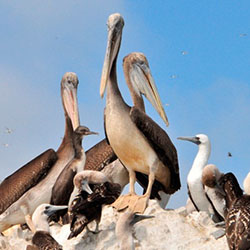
pixel 86 187
pixel 194 139
pixel 115 25
pixel 91 133
pixel 143 82
pixel 51 209
pixel 69 95
pixel 139 217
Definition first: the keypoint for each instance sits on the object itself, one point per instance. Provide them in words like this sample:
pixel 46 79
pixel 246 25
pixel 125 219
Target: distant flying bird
pixel 196 189
pixel 238 215
pixel 173 76
pixel 6 145
pixel 21 210
pixel 243 34
pixel 229 154
pixel 140 144
pixel 8 130
pixel 184 52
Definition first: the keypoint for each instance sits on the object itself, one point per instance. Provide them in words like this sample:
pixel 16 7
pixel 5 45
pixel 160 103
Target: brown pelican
pixel 140 144
pixel 95 191
pixel 15 185
pixel 42 239
pixel 210 179
pixel 21 210
pixel 196 190
pixel 124 228
pixel 64 186
pixel 246 184
pixel 238 215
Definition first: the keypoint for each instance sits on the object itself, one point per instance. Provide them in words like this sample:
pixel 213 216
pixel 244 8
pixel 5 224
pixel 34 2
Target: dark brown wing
pixel 161 143
pixel 99 156
pixel 44 241
pixel 14 186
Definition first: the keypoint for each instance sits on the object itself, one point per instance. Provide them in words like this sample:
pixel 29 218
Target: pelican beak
pixel 139 217
pixel 69 95
pixel 51 209
pixel 86 187
pixel 115 25
pixel 191 139
pixel 141 76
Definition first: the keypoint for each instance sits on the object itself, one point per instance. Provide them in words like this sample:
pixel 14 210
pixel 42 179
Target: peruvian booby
pixel 246 184
pixel 210 179
pixel 238 215
pixel 95 191
pixel 140 144
pixel 124 228
pixel 21 210
pixel 42 238
pixel 196 190
pixel 63 188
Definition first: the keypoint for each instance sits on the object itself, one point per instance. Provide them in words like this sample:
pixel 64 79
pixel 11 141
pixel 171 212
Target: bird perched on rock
pixel 238 215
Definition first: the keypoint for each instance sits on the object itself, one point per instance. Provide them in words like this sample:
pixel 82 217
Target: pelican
pixel 42 238
pixel 196 190
pixel 124 228
pixel 95 190
pixel 140 144
pixel 20 211
pixel 238 215
pixel 63 188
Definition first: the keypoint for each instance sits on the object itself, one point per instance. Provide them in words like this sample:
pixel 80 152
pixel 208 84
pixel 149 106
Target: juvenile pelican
pixel 238 215
pixel 196 190
pixel 42 238
pixel 139 143
pixel 21 210
pixel 95 190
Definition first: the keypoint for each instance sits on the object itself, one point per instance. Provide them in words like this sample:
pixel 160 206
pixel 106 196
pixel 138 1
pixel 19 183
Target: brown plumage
pixel 87 207
pixel 25 178
pixel 238 216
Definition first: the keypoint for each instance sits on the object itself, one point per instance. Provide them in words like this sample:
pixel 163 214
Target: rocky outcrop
pixel 169 229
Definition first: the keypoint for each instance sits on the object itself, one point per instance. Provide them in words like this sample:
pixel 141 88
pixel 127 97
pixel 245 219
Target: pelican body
pixel 238 215
pixel 135 138
pixel 21 210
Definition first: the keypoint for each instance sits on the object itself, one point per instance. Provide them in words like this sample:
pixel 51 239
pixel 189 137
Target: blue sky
pixel 198 53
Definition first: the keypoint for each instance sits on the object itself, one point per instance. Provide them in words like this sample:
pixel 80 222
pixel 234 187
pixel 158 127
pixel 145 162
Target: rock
pixel 169 229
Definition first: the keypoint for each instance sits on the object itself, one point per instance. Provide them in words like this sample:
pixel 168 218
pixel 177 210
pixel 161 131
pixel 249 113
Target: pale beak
pixel 52 209
pixel 86 187
pixel 191 139
pixel 139 217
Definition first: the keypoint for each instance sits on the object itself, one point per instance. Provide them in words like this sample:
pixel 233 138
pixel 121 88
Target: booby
pixel 210 179
pixel 124 228
pixel 21 210
pixel 238 216
pixel 140 144
pixel 196 190
pixel 42 238
pixel 246 184
pixel 95 191
pixel 63 187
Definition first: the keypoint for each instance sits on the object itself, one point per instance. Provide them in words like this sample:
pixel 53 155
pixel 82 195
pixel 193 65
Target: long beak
pixel 71 105
pixel 193 139
pixel 52 209
pixel 139 217
pixel 115 24
pixel 145 83
pixel 91 133
pixel 86 187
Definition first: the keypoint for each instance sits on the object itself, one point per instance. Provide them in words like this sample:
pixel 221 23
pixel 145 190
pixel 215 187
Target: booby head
pixel 200 139
pixel 115 25
pixel 69 85
pixel 83 131
pixel 141 82
pixel 42 213
pixel 211 175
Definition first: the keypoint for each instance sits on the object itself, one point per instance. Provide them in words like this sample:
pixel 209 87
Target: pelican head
pixel 141 82
pixel 69 85
pixel 115 25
